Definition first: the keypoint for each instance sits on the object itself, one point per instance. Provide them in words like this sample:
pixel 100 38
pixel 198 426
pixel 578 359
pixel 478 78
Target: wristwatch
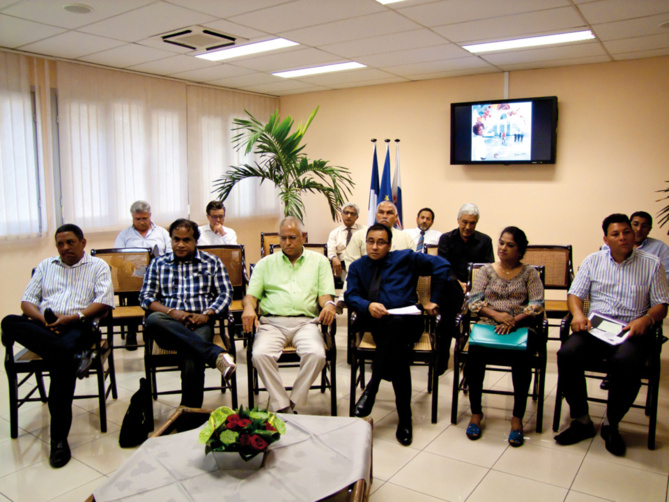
pixel 82 317
pixel 209 312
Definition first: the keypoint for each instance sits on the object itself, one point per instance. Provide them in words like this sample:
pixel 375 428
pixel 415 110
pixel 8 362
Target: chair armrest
pixel 565 327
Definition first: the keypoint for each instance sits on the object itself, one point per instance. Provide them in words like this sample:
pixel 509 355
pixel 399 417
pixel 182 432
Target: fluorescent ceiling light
pixel 386 2
pixel 319 69
pixel 562 38
pixel 245 50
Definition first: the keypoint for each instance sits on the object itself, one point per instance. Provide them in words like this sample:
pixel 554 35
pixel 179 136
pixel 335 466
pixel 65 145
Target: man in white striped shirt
pixel 627 284
pixel 63 294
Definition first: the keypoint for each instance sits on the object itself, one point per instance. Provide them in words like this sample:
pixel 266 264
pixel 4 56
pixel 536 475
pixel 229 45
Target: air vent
pixel 199 38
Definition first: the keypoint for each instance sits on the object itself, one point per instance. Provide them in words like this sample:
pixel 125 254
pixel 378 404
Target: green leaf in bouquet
pixel 278 424
pixel 257 414
pixel 228 437
pixel 206 433
pixel 219 415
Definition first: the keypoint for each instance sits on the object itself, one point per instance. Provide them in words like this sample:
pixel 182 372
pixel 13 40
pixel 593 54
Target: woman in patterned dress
pixel 505 294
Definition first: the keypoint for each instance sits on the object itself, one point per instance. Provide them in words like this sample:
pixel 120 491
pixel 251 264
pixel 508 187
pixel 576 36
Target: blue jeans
pixel 195 350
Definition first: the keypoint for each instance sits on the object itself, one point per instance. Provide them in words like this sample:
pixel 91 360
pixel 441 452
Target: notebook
pixel 607 328
pixel 484 335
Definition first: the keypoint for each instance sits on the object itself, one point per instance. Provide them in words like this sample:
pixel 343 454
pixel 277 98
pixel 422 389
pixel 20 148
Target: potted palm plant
pixel 664 212
pixel 281 161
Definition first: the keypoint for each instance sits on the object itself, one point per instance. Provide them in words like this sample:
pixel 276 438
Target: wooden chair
pixel 557 262
pixel 500 361
pixel 362 348
pixel 159 360
pixel 269 238
pixel 599 370
pixel 27 363
pixel 290 359
pixel 234 259
pixel 128 266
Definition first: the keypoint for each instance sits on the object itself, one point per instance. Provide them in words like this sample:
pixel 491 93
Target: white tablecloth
pixel 317 457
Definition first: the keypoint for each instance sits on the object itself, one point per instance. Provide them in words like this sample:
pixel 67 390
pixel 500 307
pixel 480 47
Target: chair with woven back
pixel 362 348
pixel 128 266
pixel 499 360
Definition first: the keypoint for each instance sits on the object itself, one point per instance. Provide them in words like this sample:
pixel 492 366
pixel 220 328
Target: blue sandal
pixel 516 438
pixel 473 432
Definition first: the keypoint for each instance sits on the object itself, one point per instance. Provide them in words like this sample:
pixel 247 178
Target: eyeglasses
pixel 371 242
pixel 217 217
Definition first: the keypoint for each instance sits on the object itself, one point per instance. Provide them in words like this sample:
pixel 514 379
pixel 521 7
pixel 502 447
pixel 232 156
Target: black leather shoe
pixel 606 383
pixel 613 440
pixel 131 341
pixel 366 402
pixel 404 433
pixel 60 454
pixel 575 433
pixel 84 361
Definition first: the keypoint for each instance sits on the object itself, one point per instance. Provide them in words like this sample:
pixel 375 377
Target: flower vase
pixel 232 461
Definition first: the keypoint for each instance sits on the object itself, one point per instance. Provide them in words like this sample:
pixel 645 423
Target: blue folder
pixel 484 335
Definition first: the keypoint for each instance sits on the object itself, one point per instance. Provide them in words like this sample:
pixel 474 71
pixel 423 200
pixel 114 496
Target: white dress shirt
pixel 431 236
pixel 157 239
pixel 337 240
pixel 209 238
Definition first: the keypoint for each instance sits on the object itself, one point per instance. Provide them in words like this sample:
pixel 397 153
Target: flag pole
pixel 397 187
pixel 374 188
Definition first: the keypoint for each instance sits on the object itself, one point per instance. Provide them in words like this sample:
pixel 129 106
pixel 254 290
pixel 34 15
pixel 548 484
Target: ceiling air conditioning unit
pixel 199 38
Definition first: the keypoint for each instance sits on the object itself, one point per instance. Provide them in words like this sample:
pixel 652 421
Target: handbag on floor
pixel 137 421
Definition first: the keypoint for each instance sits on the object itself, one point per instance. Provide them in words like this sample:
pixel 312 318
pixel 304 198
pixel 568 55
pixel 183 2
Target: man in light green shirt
pixel 287 289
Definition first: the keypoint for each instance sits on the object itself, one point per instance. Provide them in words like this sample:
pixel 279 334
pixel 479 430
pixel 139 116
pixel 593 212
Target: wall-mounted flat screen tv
pixel 505 131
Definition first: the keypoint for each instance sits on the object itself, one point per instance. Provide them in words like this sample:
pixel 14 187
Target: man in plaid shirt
pixel 185 291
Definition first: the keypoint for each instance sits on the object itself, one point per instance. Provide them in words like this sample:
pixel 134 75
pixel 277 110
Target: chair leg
pixel 111 369
pixel 540 405
pixel 456 389
pixel 13 403
pixel 102 397
pixel 250 373
pixel 558 408
pixel 354 376
pixel 40 386
pixel 333 388
pixel 434 379
pixel 233 390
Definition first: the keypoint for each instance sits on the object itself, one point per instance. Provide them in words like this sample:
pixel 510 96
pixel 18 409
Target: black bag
pixel 137 422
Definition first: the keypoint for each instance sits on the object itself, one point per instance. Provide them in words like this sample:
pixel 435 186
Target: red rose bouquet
pixel 248 432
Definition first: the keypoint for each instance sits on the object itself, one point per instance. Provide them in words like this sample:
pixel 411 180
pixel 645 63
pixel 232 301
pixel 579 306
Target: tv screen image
pixel 512 131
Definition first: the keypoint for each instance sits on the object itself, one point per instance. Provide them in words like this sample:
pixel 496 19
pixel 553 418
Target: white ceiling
pixel 406 41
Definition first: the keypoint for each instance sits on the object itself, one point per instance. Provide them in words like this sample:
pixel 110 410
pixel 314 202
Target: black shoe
pixel 366 402
pixel 613 440
pixel 606 383
pixel 575 433
pixel 60 454
pixel 404 433
pixel 131 341
pixel 84 360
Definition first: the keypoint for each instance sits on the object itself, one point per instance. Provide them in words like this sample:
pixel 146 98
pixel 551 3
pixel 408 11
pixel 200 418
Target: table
pixel 319 458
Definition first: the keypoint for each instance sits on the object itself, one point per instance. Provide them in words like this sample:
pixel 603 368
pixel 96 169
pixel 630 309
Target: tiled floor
pixel 441 464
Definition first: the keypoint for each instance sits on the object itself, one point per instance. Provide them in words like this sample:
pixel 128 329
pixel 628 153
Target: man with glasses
pixel 378 282
pixel 215 234
pixel 341 236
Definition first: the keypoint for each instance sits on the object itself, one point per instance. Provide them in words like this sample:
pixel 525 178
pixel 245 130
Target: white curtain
pixel 22 207
pixel 210 152
pixel 122 139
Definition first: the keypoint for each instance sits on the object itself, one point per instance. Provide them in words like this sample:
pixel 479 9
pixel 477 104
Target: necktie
pixel 421 241
pixel 349 232
pixel 375 284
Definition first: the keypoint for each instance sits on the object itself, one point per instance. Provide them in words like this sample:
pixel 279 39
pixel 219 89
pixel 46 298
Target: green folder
pixel 484 335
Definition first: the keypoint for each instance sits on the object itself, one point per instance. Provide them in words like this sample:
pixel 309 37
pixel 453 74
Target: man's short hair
pixel 140 206
pixel 519 238
pixel 215 205
pixel 644 215
pixel 386 202
pixel 428 210
pixel 615 218
pixel 70 227
pixel 469 208
pixel 292 220
pixel 379 227
pixel 351 204
pixel 187 224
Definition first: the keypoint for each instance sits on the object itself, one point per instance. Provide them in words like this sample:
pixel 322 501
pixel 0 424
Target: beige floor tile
pixel 103 454
pixel 80 493
pixel 555 467
pixel 394 493
pixel 40 482
pixel 453 443
pixel 3 498
pixel 502 487
pixel 389 457
pixel 423 431
pixel 573 496
pixel 617 482
pixel 85 428
pixel 439 477
pixel 22 452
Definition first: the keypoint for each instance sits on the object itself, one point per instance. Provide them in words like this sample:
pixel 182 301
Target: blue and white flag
pixel 386 191
pixel 397 188
pixel 373 191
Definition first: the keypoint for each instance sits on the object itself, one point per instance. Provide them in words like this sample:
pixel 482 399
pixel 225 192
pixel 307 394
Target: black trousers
pixel 450 306
pixel 625 367
pixel 58 352
pixel 521 373
pixel 395 337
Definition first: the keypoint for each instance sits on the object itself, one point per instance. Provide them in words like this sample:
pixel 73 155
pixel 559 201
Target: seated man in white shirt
pixel 215 234
pixel 423 235
pixel 340 237
pixel 642 224
pixel 143 233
